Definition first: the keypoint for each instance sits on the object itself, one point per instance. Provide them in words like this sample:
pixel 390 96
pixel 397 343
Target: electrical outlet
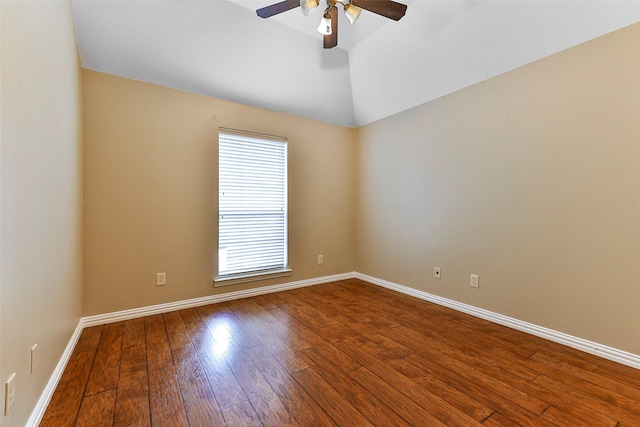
pixel 320 259
pixel 436 272
pixel 9 393
pixel 33 358
pixel 474 281
pixel 161 279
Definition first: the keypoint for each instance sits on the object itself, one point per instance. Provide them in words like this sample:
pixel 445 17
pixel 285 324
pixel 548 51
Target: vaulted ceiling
pixel 221 48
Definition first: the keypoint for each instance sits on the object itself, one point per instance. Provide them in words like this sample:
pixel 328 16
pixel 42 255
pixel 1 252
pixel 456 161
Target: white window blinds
pixel 252 197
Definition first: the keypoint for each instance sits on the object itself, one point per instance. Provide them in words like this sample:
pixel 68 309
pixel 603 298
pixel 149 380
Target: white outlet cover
pixel 161 279
pixel 474 281
pixel 9 393
pixel 33 357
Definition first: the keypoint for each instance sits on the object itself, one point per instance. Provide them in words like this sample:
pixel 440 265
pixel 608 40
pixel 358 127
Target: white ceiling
pixel 221 48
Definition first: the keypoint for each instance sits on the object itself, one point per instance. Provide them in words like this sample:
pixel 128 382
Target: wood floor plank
pixel 538 344
pixel 222 381
pixel 303 408
pixel 222 316
pixel 199 401
pixel 66 400
pixel 271 410
pixel 106 366
pixel 344 362
pixel 498 420
pixel 371 333
pixel 346 353
pixel 157 343
pixel 165 399
pixel 386 315
pixel 589 388
pixel 375 349
pixel 576 361
pixel 454 318
pixel 189 315
pixel 224 344
pixel 241 415
pixel 357 396
pixel 617 372
pixel 484 356
pixel 89 338
pixel 352 313
pixel 602 387
pixel 258 318
pixel 278 297
pixel 456 398
pixel 586 406
pixel 97 410
pixel 176 331
pixel 289 359
pixel 132 403
pixel 386 376
pixel 561 417
pixel 507 335
pixel 328 398
pixel 495 362
pixel 620 373
pixel 318 322
pixel 269 332
pixel 264 301
pixel 481 391
pixel 134 333
pixel 475 371
pixel 395 307
pixel 478 342
pixel 401 404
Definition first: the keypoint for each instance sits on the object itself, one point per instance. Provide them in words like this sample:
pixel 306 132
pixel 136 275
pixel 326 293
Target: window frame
pixel 256 274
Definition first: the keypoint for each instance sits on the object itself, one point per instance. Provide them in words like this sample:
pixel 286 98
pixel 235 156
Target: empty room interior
pixel 461 213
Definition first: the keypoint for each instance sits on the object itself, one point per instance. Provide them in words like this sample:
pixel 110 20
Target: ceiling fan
pixel 329 23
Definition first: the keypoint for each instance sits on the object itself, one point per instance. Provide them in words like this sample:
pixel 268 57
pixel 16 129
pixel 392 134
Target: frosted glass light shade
pixel 325 25
pixel 308 6
pixel 352 12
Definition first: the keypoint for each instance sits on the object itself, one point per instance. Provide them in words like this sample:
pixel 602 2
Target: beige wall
pixel 531 180
pixel 150 189
pixel 41 193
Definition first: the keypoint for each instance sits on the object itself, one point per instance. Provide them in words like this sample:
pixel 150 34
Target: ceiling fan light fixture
pixel 325 25
pixel 308 6
pixel 352 12
pixel 329 24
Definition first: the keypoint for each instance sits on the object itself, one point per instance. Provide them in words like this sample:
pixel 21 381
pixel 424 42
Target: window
pixel 252 200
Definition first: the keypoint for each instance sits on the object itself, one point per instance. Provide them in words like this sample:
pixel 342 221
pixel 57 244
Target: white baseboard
pixel 45 397
pixel 102 319
pixel 603 351
pixel 581 344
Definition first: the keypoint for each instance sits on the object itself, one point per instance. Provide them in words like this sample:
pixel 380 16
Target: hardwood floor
pixel 346 353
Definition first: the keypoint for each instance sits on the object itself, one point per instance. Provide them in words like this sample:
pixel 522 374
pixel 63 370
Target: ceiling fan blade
pixel 387 8
pixel 277 8
pixel 331 40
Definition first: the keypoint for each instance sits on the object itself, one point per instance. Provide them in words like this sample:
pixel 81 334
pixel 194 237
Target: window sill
pixel 252 277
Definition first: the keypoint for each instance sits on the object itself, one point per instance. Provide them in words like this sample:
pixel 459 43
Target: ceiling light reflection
pixel 221 340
